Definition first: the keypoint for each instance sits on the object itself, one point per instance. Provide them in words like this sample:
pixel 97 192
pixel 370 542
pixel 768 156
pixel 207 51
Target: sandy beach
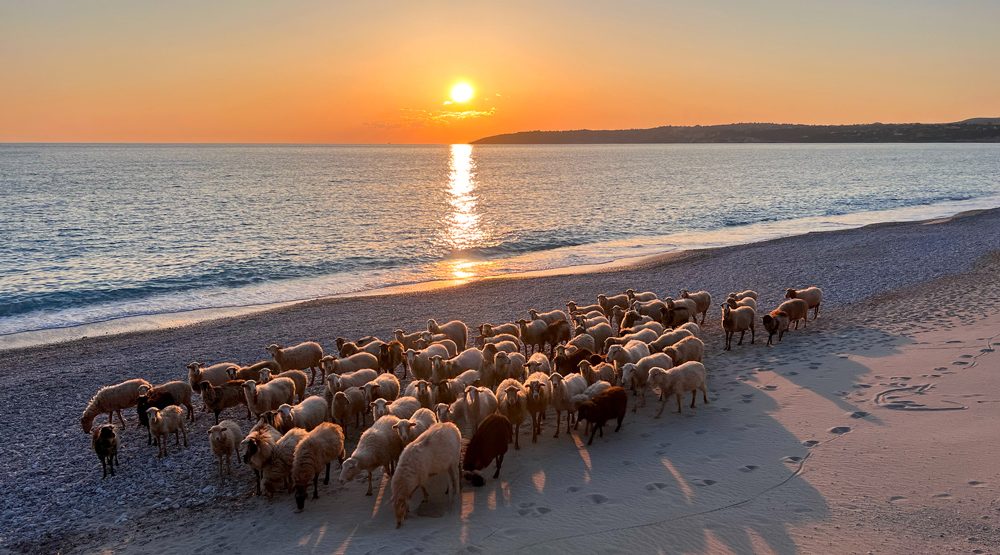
pixel 873 430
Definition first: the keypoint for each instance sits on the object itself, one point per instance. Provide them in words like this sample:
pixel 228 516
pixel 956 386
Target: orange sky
pixel 377 72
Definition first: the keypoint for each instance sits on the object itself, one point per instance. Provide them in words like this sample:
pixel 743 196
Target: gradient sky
pixel 377 72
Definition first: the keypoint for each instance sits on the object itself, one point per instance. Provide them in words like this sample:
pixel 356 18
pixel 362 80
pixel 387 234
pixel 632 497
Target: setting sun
pixel 462 92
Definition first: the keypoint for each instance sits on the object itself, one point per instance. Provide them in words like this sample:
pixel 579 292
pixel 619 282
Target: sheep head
pixel 432 326
pixel 672 353
pixel 274 349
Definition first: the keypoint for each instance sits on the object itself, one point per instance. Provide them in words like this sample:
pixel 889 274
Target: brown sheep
pixel 609 404
pixel 489 443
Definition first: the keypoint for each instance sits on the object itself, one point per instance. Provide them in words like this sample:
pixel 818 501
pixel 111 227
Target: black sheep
pixel 488 443
pixel 606 405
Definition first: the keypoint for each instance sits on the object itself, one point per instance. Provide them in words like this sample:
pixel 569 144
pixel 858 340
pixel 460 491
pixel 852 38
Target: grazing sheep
pixel 566 362
pixel 583 341
pixel 781 318
pixel 608 303
pixel 538 362
pixel 645 336
pixel 602 371
pixel 748 301
pixel 645 296
pixel 225 438
pixel 379 446
pixel 695 329
pixel 409 341
pixel 320 447
pixel 539 392
pixel 687 349
pixel 358 378
pixel 422 391
pixel 745 294
pixel 813 296
pixel 436 451
pixel 104 440
pixel 163 422
pixel 600 333
pixel 220 397
pixel 532 334
pixel 252 372
pixel 390 356
pixel 410 429
pixel 385 386
pixel 563 391
pixel 737 320
pixel 512 403
pixel 111 399
pixel 269 396
pixel 347 403
pixel 456 330
pixel 257 448
pixel 669 338
pixel 419 362
pixel 217 374
pixel 298 377
pixel 353 363
pixel 702 300
pixel 299 357
pixel 311 412
pixel 489 443
pixel 677 381
pixel 612 403
pixel 403 407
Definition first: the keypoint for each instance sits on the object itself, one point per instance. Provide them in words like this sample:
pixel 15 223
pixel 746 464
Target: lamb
pixel 677 381
pixel 390 356
pixel 353 363
pixel 813 296
pixel 748 301
pixel 489 443
pixel 702 300
pixel 538 362
pixel 310 413
pixel 269 396
pixel 410 429
pixel 695 329
pixel 612 403
pixel 668 338
pixel 563 391
pixel 469 359
pixel 642 297
pixel 257 448
pixel 566 362
pixel 252 372
pixel 456 330
pixel 419 362
pixel 745 294
pixel 358 378
pixel 104 440
pixel 603 371
pixel 437 450
pixel 645 336
pixel 229 394
pixel 299 357
pixel 537 402
pixel 409 341
pixel 298 377
pixel 532 334
pixel 737 320
pixel 217 374
pixel 687 349
pixel 163 422
pixel 347 403
pixel 379 445
pixel 385 386
pixel 111 399
pixel 608 303
pixel 320 447
pixel 403 407
pixel 600 333
pixel 512 403
pixel 225 438
pixel 422 391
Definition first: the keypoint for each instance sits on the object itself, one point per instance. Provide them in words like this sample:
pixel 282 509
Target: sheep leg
pixel 316 486
pixel 426 495
pixel 694 395
pixel 499 463
pixel 815 312
pixel 742 335
pixel 534 427
pixel 678 396
pixel 177 437
pixel 663 404
pixel 600 428
pixel 558 417
pixel 517 432
pixel 369 492
pixel 312 380
pixel 185 434
pixel 104 468
pixel 703 315
pixel 121 418
pixel 256 482
pixel 753 334
pixel 219 460
pixel 217 416
pixel 326 481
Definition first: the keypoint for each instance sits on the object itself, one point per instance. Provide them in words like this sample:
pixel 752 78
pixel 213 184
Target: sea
pixel 148 235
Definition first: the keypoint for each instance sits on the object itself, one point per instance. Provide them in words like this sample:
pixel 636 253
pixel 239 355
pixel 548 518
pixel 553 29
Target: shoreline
pixel 124 325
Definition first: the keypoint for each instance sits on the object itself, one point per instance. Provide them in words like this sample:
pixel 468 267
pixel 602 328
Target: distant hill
pixel 979 130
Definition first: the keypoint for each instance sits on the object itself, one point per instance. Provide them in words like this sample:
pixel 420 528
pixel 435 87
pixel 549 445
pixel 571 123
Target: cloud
pixel 451 112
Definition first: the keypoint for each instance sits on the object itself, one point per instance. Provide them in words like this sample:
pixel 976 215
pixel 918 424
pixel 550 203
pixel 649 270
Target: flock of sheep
pixel 579 362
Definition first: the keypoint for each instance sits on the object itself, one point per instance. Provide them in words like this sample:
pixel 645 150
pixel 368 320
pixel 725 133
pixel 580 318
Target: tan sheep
pixel 512 403
pixel 319 448
pixel 456 330
pixel 436 451
pixel 216 374
pixel 353 363
pixel 385 386
pixel 225 438
pixel 310 413
pixel 737 320
pixel 669 338
pixel 811 295
pixel 163 422
pixel 677 381
pixel 702 300
pixel 779 320
pixel 298 377
pixel 112 399
pixel 269 396
pixel 687 349
pixel 347 403
pixel 252 372
pixel 299 357
pixel 379 446
pixel 747 301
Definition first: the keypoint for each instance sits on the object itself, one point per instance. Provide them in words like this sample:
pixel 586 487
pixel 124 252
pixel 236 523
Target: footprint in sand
pixel 769 387
pixel 965 356
pixel 644 434
pixel 473 549
pixel 953 341
pixel 626 463
pixel 896 498
pixel 976 483
pixel 792 373
pixel 960 363
pixel 725 409
pixel 839 430
pixel 413 550
pixel 859 414
pixel 572 489
pixel 862 385
pixel 597 499
pixel 941 496
pixel 655 486
pixel 703 482
pixel 700 432
pixel 792 459
pixel 810 443
pixel 748 468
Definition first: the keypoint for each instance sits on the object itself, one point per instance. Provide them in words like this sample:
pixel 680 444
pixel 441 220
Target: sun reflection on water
pixel 464 231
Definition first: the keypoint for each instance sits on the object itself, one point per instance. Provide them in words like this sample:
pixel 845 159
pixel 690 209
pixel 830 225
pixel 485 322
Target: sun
pixel 462 92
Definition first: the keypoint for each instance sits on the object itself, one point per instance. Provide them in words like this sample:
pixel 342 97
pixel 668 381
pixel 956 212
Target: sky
pixel 381 72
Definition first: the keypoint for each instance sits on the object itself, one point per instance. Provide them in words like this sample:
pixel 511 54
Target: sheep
pixel 677 314
pixel 229 394
pixel 667 339
pixel 163 422
pixel 563 391
pixel 104 440
pixel 452 388
pixel 630 318
pixel 583 341
pixel 748 301
pixel 745 294
pixel 269 396
pixel 276 470
pixel 635 376
pixel 695 329
pixel 402 408
pixel 299 357
pixel 257 448
pixel 111 399
pixel 456 330
pixel 217 374
pixel 437 450
pixel 608 303
pixel 532 334
pixel 346 348
pixel 590 321
pixel 633 351
pixel 379 445
pixel 506 366
pixel 550 317
pixel 645 296
pixel 555 334
pixel 422 391
pixel 487 331
pixel 390 356
pixel 358 378
pixel 373 347
pixel 171 393
pixel 506 339
pixel 353 363
pixel 539 391
pixel 469 359
pixel 566 362
pixel 812 295
pixel 385 386
pixel 702 300
pixel 321 446
pixel 511 402
pixel 603 371
pixel 252 372
pixel 600 333
pixel 592 391
pixel 609 404
pixel 653 309
pixel 347 403
pixel 225 438
pixel 311 412
pixel 298 377
pixel 737 320
pixel 677 381
pixel 442 340
pixel 409 341
pixel 646 336
pixel 410 429
pixel 687 349
pixel 419 362
pixel 572 307
pixel 475 405
pixel 688 304
pixel 538 362
pixel 489 443
pixel 653 326
pixel 781 318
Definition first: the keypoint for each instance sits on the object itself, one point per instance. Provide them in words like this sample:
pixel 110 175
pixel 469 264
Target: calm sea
pixel 91 233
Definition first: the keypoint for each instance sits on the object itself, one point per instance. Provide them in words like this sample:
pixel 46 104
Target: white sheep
pixel 410 429
pixel 323 445
pixel 469 359
pixel 572 307
pixel 257 447
pixel 744 294
pixel 747 301
pixel 581 341
pixel 632 351
pixel 643 297
pixel 456 330
pixel 166 421
pixel 550 317
pixel 299 357
pixel 216 374
pixel 385 386
pixel 538 362
pixel 695 329
pixel 348 403
pixel 476 404
pixel 685 350
pixel 423 392
pixel 269 396
pixel 602 371
pixel 419 362
pixel 311 412
pixel 533 334
pixel 635 376
pixel 738 320
pixel 563 391
pixel 645 336
pixel 402 408
pixel 505 366
pixel 512 403
pixel 298 377
pixel 358 378
pixel 539 392
pixel 225 438
pixel 813 296
pixel 600 333
pixel 702 299
pixel 608 303
pixel 353 363
pixel 677 381
pixel 668 338
pixel 112 399
pixel 436 451
pixel 379 446
pixel 276 472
